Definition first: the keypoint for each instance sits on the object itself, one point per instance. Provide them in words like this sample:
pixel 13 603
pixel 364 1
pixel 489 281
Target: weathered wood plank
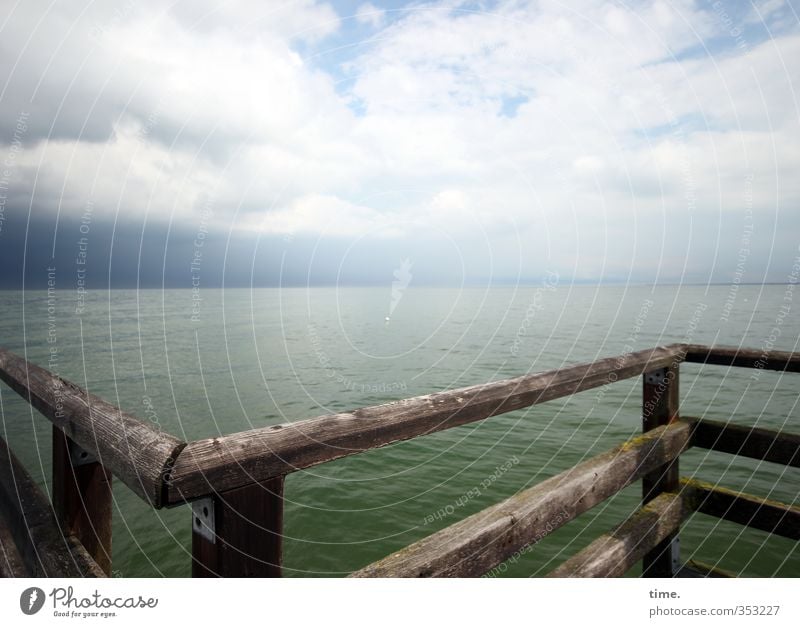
pixel 477 544
pixel 744 509
pixel 82 499
pixel 660 404
pixel 11 564
pixel 779 447
pixel 248 533
pixel 43 547
pixel 613 554
pixel 743 357
pixel 137 453
pixel 231 461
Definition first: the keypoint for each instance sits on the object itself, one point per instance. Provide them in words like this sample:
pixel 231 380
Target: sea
pixel 215 361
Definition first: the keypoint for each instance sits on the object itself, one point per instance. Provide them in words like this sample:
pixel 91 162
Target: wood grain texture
pixel 613 554
pixel 249 534
pixel 45 550
pixel 82 501
pixel 743 357
pixel 480 542
pixel 136 452
pixel 231 461
pixel 744 509
pixel 769 445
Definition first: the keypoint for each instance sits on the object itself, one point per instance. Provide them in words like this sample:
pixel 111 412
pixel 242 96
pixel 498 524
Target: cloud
pixel 327 216
pixel 371 15
pixel 623 119
pixel 83 72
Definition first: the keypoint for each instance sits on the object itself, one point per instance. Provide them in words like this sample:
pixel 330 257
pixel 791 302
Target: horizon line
pixel 471 284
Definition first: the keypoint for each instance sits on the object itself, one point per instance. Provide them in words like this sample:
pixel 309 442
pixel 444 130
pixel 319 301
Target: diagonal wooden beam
pixel 477 544
pixel 613 554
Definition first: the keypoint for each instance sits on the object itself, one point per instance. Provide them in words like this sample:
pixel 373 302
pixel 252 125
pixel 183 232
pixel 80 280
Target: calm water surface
pixel 243 358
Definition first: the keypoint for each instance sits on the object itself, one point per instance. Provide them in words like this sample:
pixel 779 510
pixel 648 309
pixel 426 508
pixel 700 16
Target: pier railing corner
pixel 234 483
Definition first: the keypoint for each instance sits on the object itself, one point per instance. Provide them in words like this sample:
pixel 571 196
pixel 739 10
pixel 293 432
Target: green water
pixel 264 356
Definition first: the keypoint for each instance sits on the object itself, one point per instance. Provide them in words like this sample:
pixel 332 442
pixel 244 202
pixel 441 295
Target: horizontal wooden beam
pixel 755 442
pixel 694 569
pixel 477 544
pixel 613 554
pixel 139 454
pixel 743 357
pixel 744 509
pixel 230 461
pixel 28 515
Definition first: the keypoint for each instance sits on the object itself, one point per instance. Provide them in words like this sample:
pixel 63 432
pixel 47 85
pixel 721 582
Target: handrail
pixel 743 357
pixel 137 452
pixel 165 470
pixel 230 461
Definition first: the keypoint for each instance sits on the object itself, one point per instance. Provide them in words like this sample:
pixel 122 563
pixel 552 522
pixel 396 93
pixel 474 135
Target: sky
pixel 294 142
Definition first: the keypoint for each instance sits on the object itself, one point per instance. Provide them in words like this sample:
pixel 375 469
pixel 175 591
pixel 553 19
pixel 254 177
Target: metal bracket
pixel 656 377
pixel 203 519
pixel 78 456
pixel 675 554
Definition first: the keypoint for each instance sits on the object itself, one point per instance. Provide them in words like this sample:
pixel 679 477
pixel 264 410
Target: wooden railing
pixel 234 483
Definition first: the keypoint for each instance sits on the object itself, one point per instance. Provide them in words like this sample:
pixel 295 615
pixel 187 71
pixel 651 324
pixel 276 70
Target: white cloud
pixel 625 117
pixel 323 215
pixel 369 14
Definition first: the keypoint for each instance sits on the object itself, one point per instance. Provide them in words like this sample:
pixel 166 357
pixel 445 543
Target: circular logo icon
pixel 31 600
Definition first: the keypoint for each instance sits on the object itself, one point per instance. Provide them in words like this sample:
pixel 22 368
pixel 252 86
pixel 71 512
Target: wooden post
pixel 82 498
pixel 660 402
pixel 239 533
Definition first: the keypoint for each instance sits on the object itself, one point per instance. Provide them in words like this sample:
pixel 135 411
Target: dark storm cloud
pixel 127 255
